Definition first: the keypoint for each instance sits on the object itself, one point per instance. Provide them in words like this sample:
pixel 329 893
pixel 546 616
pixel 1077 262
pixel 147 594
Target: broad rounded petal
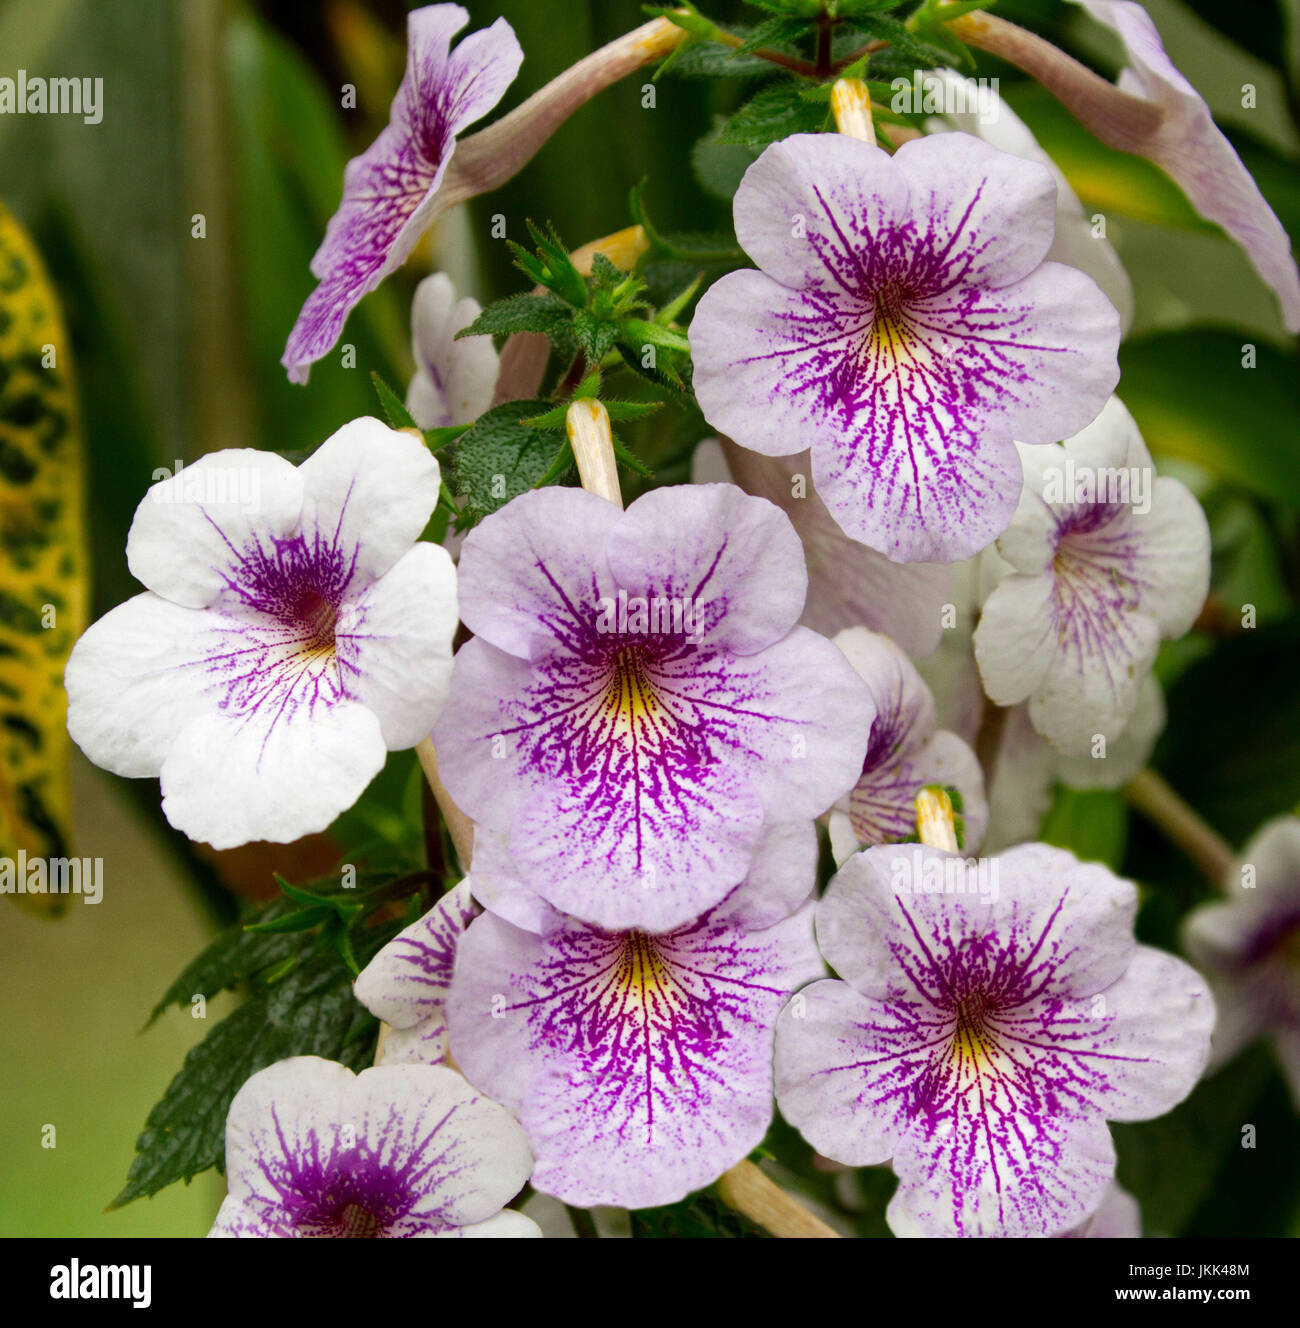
pixel 497 886
pixel 459 1157
pixel 137 677
pixel 1015 642
pixel 1117 1217
pixel 369 490
pixel 279 1119
pixel 989 212
pixel 507 1225
pixel 1025 1173
pixel 810 204
pixel 904 706
pixel 477 72
pixel 406 983
pixel 393 642
pixel 1125 753
pixel 454 380
pixel 895 920
pixel 534 574
pixel 229 780
pixel 1039 355
pixel 765 356
pixel 781 877
pixel 1153 1042
pixel 825 1086
pixel 190 532
pixel 734 562
pixel 237 1220
pixel 642 1065
pixel 1175 559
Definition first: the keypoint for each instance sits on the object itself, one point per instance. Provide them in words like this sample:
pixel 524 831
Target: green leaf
pixel 698 1217
pixel 502 456
pixel 719 167
pixel 775 32
pixel 1092 824
pixel 547 314
pixel 773 113
pixel 392 405
pixel 1192 398
pixel 1232 743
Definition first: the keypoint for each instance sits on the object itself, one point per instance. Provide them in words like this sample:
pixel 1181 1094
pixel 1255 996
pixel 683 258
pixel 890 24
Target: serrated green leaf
pixel 775 32
pixel 547 314
pixel 393 406
pixel 773 113
pixel 311 1012
pixel 502 456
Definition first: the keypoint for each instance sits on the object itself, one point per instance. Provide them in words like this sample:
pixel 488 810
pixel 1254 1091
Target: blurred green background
pixel 233 110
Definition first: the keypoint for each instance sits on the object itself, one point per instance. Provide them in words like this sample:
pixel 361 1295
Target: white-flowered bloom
pixel 1249 947
pixel 293 632
pixel 906 751
pixel 1107 559
pixel 454 380
pixel 313 1150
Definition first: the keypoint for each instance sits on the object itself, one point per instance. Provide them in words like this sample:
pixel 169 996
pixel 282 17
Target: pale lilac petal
pixel 1117 1217
pixel 189 530
pixel 735 560
pixel 960 201
pixel 454 379
pixel 406 983
pixel 507 1225
pixel 279 771
pixel 640 1067
pixel 1188 146
pixel 533 575
pixel 393 644
pixel 1016 641
pixel 809 203
pixel 1056 927
pixel 782 875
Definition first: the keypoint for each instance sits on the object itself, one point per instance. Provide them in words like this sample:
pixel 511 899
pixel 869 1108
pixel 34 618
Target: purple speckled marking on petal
pixel 641 1065
pixel 991 1036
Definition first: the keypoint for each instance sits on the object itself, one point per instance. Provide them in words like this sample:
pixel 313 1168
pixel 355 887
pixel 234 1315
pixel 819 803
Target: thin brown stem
pixel 753 1193
pixel 1153 796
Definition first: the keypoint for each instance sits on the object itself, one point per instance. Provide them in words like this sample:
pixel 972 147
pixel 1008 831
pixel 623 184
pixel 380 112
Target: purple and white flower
pixel 1249 947
pixel 390 191
pixel 313 1150
pixel 638 701
pixel 1184 141
pixel 907 751
pixel 293 633
pixel 849 585
pixel 640 1066
pixel 992 1018
pixel 454 380
pixel 1107 560
pixel 904 327
pixel 407 982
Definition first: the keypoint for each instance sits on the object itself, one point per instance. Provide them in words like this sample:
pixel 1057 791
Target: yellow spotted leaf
pixel 42 564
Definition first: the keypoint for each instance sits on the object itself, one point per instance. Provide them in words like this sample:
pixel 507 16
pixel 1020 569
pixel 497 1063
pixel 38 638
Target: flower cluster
pixel 648 740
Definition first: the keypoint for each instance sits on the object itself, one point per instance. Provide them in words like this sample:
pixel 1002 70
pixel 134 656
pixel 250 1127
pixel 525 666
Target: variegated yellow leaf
pixel 43 568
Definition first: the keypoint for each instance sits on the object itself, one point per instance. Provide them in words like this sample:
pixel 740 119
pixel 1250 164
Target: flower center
pixel 317 619
pixel 641 967
pixel 631 695
pixel 358 1223
pixel 889 337
pixel 972 1038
